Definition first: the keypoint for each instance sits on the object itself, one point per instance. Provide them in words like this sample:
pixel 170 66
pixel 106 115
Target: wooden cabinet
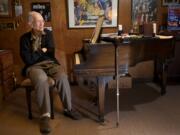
pixel 6 72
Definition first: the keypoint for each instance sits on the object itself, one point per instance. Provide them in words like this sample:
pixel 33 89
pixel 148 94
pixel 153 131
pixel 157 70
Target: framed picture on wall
pixel 144 11
pixel 7 26
pixel 85 13
pixel 5 8
pixel 43 8
pixel 170 2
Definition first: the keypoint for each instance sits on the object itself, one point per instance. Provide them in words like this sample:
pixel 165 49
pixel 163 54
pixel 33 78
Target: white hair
pixel 31 17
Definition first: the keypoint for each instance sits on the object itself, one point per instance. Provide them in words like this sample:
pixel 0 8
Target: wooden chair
pixel 26 83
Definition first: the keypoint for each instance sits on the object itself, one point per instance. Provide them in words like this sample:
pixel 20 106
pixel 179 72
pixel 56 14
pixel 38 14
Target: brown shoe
pixel 44 125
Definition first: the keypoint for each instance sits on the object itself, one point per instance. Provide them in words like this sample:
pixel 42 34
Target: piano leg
pixel 101 97
pixel 160 74
pixel 156 73
pixel 164 78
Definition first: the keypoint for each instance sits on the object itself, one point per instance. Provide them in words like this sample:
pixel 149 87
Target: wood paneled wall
pixel 68 40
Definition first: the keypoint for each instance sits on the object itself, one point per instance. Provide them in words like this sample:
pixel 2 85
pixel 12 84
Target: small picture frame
pixel 43 8
pixel 85 13
pixel 5 8
pixel 7 26
pixel 170 2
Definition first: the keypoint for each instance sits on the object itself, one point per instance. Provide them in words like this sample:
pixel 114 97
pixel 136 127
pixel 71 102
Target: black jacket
pixel 29 57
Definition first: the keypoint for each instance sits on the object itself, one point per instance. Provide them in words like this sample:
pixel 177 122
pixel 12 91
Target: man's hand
pixel 44 50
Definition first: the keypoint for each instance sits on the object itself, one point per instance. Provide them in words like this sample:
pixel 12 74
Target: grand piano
pixel 101 60
pixel 115 56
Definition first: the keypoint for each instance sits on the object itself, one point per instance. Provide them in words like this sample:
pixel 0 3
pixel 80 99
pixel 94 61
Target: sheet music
pixel 97 30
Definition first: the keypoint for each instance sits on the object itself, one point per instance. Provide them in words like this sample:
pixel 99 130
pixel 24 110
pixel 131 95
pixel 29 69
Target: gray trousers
pixel 39 80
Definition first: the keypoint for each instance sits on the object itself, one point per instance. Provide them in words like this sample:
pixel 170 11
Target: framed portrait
pixel 5 8
pixel 170 2
pixel 85 13
pixel 43 8
pixel 7 26
pixel 144 11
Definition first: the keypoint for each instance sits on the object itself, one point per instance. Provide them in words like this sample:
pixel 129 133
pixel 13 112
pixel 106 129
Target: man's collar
pixel 33 36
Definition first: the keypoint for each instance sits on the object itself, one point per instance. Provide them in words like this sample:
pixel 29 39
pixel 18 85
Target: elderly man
pixel 37 52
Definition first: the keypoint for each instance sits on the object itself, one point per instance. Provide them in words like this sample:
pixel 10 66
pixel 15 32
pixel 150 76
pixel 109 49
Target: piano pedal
pixel 122 75
pixel 93 100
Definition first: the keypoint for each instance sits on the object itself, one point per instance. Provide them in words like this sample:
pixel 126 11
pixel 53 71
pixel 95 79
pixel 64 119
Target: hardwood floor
pixel 142 112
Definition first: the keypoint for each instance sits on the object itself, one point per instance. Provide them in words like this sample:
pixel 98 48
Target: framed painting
pixel 5 8
pixel 144 11
pixel 170 2
pixel 43 8
pixel 85 13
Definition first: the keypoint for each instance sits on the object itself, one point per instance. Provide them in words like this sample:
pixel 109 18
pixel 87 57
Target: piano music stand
pixel 115 43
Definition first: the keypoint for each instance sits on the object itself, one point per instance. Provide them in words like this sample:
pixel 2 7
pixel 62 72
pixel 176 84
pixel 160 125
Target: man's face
pixel 38 23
